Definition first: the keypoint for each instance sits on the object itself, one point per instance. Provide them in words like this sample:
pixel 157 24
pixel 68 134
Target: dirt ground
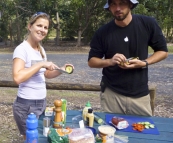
pixel 163 104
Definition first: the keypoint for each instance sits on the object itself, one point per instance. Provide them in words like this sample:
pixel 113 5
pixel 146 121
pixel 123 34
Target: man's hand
pixel 118 59
pixel 132 64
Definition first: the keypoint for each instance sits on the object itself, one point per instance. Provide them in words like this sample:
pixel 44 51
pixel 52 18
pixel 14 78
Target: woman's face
pixel 39 29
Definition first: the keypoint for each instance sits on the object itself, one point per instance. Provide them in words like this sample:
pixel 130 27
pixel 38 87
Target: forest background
pixel 73 20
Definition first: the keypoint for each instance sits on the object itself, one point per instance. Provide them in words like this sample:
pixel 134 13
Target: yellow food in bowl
pixel 106 129
pixel 69 69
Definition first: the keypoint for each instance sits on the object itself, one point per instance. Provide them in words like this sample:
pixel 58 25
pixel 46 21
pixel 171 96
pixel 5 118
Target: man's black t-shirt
pixel 131 41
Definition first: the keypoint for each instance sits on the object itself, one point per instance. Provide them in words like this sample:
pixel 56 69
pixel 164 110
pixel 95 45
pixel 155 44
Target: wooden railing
pixel 58 86
pixel 80 87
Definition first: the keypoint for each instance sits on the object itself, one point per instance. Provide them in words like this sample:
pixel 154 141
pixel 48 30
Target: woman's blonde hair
pixel 32 20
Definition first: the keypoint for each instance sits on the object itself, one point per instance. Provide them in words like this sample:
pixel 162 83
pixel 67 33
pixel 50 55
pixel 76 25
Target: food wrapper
pixel 63 132
pixel 49 111
pixel 53 137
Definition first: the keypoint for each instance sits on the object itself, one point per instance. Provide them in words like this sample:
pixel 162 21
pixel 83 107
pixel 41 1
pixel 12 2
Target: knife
pixel 62 71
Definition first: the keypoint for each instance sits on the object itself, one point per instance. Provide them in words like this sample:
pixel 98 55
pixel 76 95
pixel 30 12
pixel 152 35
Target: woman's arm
pixel 21 74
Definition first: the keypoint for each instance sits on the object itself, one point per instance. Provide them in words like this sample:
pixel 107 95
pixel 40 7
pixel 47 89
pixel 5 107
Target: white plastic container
pixel 107 133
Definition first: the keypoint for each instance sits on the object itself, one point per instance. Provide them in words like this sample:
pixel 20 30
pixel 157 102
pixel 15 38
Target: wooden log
pixel 58 86
pixel 8 84
pixel 70 86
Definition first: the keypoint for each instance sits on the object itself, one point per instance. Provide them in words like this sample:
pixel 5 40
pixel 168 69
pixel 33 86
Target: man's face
pixel 120 9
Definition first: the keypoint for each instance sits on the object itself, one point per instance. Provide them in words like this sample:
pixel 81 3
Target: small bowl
pixel 106 129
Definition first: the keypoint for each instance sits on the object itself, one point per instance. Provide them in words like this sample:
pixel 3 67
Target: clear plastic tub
pixel 81 135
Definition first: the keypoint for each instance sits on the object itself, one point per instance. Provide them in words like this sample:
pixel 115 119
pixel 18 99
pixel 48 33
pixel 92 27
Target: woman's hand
pixel 51 72
pixel 49 65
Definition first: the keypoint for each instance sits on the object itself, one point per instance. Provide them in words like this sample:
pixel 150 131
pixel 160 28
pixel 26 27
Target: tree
pixel 80 18
pixel 77 18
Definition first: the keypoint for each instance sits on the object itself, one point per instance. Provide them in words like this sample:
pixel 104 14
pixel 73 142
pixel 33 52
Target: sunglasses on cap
pixel 40 13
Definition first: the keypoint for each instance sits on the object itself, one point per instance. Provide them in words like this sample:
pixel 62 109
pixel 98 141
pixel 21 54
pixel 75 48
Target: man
pixel 124 84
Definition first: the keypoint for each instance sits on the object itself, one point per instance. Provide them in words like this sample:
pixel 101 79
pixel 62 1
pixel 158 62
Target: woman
pixel 30 68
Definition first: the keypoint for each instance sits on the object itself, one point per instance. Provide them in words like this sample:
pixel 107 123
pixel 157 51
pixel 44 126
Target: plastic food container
pixel 107 132
pixel 81 135
pixel 106 129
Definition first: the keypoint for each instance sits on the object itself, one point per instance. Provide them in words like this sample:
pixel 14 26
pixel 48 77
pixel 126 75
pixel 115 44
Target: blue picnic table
pixel 163 125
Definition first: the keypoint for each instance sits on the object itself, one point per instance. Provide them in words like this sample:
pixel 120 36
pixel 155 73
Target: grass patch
pixel 6 50
pixel 12 92
pixel 8 91
pixel 4 136
pixel 8 94
pixel 170 49
pixel 67 93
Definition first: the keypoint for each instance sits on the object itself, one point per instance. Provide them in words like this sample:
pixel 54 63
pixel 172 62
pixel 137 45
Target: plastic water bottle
pixel 31 132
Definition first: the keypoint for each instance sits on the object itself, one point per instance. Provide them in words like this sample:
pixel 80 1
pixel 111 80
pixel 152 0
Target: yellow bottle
pixel 85 110
pixel 90 117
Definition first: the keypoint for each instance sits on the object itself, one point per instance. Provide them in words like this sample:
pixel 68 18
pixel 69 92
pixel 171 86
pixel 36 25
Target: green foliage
pixel 170 49
pixel 76 15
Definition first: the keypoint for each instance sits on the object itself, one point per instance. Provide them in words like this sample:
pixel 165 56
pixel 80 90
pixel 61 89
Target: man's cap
pixel 134 2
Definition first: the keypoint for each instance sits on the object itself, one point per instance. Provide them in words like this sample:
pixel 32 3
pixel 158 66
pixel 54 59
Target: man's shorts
pixel 113 102
pixel 23 107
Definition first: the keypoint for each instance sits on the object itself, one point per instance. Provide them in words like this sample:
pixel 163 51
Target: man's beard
pixel 121 18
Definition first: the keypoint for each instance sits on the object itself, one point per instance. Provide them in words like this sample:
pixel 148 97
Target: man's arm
pixel 99 63
pixel 154 58
pixel 157 57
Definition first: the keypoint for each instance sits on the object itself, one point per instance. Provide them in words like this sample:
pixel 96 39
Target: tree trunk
pixel 10 31
pixel 79 37
pixel 57 39
pixel 18 28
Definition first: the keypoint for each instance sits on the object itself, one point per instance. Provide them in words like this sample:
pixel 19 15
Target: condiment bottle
pixel 90 117
pixel 46 125
pixel 85 110
pixel 58 114
pixel 31 132
pixel 64 110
